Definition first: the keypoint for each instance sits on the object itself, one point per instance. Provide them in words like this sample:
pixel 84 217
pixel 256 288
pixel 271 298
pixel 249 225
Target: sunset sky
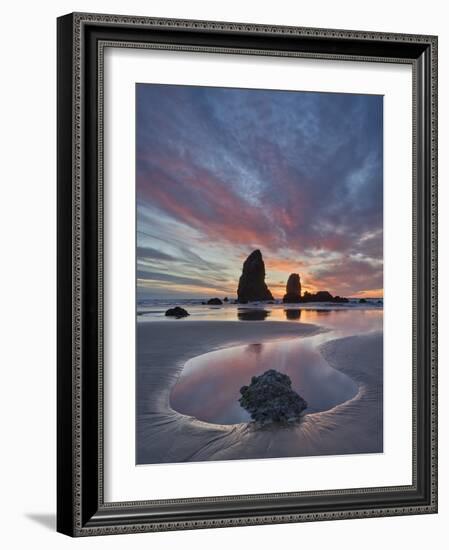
pixel 223 171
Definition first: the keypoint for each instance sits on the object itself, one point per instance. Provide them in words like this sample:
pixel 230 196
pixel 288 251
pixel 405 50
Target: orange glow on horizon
pixel 373 293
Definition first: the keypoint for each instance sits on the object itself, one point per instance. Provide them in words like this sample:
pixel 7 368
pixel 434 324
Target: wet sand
pixel 164 435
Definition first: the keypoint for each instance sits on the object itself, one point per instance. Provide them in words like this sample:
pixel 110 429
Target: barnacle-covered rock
pixel 270 399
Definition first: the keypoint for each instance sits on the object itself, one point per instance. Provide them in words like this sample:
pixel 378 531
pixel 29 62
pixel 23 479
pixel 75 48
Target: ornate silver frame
pixel 81 42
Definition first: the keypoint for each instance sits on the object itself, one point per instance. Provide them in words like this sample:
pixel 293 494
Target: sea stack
pixel 293 290
pixel 252 287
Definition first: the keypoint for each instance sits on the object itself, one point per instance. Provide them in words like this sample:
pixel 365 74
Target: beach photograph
pixel 259 274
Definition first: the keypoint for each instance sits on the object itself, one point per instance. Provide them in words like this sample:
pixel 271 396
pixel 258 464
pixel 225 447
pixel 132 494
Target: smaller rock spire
pixel 293 290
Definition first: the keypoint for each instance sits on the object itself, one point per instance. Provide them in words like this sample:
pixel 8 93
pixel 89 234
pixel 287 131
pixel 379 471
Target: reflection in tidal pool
pixel 209 385
pixel 244 314
pixel 292 314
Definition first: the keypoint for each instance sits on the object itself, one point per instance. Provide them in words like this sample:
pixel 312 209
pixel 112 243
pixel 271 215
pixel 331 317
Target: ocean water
pixel 154 310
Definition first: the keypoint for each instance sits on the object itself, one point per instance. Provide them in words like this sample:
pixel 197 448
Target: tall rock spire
pixel 252 286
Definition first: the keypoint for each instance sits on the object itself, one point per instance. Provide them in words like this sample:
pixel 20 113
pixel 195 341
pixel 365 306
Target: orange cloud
pixel 280 264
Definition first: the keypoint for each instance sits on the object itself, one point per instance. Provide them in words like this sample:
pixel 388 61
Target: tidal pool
pixel 209 385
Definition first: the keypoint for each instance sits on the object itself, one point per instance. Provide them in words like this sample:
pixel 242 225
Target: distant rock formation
pixel 252 287
pixel 323 296
pixel 362 301
pixel 214 302
pixel 177 312
pixel 320 296
pixel 340 300
pixel 269 399
pixel 293 290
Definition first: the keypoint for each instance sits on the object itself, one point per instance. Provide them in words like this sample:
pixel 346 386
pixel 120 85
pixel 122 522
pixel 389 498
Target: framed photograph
pixel 247 283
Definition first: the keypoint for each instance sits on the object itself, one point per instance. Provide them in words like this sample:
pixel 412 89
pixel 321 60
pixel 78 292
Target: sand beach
pixel 165 435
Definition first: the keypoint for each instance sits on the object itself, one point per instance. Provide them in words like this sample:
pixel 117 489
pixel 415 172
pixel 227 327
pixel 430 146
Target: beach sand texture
pixel 164 435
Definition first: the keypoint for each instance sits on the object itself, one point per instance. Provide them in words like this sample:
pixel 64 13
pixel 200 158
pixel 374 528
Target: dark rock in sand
pixel 293 290
pixel 225 299
pixel 214 302
pixel 177 312
pixel 252 287
pixel 270 399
